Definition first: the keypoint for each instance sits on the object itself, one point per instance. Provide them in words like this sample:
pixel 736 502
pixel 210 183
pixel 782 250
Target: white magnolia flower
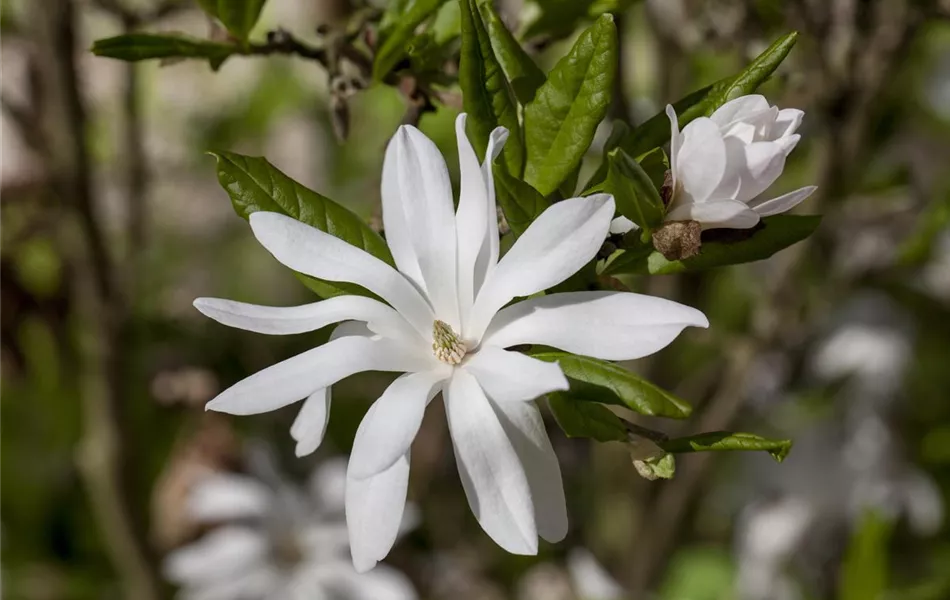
pixel 275 543
pixel 445 323
pixel 721 165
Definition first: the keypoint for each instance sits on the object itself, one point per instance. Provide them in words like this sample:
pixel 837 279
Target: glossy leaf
pixel 254 184
pixel 239 16
pixel 393 48
pixel 760 69
pixel 634 191
pixel 520 203
pixel 561 120
pixel 522 73
pixel 134 47
pixel 597 380
pixel 618 132
pixel 579 418
pixel 772 234
pixel 486 94
pixel 728 441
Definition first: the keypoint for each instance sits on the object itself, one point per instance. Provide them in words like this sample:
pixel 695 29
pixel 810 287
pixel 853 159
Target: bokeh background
pixel 113 222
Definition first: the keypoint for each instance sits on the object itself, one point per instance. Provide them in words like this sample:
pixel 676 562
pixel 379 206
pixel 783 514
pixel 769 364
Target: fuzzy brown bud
pixel 677 240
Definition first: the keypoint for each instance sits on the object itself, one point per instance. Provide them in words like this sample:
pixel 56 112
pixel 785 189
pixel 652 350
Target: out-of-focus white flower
pixel 768 536
pixel 589 578
pixel 444 325
pixel 876 355
pixel 275 544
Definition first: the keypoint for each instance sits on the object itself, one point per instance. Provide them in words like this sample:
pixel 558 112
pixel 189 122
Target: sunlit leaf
pixel 728 441
pixel 393 47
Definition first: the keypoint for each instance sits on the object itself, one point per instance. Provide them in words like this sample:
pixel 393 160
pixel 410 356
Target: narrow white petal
pixel 310 425
pixel 762 164
pixel 471 220
pixel 222 553
pixel 280 320
pixel 622 225
pixel 606 325
pixel 701 160
pixel 730 214
pixel 525 428
pixel 374 509
pixel 488 256
pixel 299 376
pixel 782 203
pixel 556 245
pixel 313 252
pixel 399 234
pixel 675 142
pixel 788 121
pixel 391 423
pixel 227 497
pixel 739 109
pixel 492 474
pixel 513 377
pixel 426 191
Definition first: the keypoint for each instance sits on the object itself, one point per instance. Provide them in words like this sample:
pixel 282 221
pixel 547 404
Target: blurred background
pixel 113 222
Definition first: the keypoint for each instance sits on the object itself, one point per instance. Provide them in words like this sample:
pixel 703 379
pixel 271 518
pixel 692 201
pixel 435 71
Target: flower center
pixel 446 344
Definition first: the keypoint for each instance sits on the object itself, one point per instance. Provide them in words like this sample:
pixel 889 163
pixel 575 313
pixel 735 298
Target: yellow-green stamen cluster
pixel 446 344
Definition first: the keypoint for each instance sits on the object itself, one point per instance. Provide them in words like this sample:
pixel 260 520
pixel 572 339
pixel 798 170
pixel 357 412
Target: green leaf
pixel 753 75
pixel 597 380
pixel 486 95
pixel 520 203
pixel 633 191
pixel 579 418
pixel 655 131
pixel 447 24
pixel 254 184
pixel 771 235
pixel 557 18
pixel 134 47
pixel 239 16
pixel 522 73
pixel 728 441
pixel 618 132
pixel 393 48
pixel 209 6
pixel 561 120
pixel 864 573
pixel 657 467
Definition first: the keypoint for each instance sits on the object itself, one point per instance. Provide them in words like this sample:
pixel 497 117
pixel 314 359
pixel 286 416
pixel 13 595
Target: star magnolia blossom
pixel 445 324
pixel 721 164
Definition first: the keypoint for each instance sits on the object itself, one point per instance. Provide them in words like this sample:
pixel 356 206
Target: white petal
pixel 391 423
pixel 739 109
pixel 280 320
pixel 299 376
pixel 310 425
pixel 782 203
pixel 374 508
pixel 513 377
pixel 675 142
pixel 701 160
pixel 227 497
pixel 622 225
pixel 313 252
pixel 606 325
pixel 382 583
pixel 488 257
pixel 787 123
pixel 427 201
pixel 730 214
pixel 556 245
pixel 399 234
pixel 492 475
pixel 763 163
pixel 525 428
pixel 222 553
pixel 471 219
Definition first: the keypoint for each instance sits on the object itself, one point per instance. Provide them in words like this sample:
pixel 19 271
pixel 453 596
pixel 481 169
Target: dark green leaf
pixel 393 48
pixel 773 234
pixel 210 7
pixel 520 203
pixel 597 380
pixel 254 184
pixel 728 441
pixel 633 191
pixel 557 18
pixel 240 16
pixel 522 73
pixel 579 418
pixel 144 46
pixel 561 120
pixel 486 95
pixel 753 75
pixel 618 132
